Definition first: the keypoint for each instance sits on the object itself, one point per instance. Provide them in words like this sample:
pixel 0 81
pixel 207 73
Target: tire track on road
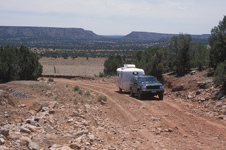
pixel 134 114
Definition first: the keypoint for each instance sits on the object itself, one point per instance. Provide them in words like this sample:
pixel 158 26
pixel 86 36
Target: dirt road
pixel 154 124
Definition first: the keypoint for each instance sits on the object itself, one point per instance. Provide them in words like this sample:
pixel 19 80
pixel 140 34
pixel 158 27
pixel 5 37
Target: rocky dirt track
pixel 68 120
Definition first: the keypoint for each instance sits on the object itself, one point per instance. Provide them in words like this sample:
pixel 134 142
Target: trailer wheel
pixel 140 95
pixel 131 92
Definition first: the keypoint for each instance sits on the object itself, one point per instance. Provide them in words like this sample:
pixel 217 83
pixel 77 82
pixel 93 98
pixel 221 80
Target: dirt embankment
pixel 52 115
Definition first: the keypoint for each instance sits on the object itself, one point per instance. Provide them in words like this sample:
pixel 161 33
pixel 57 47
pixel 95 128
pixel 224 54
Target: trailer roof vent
pixel 129 66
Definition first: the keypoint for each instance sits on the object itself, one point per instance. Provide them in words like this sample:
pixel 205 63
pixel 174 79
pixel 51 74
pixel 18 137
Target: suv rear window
pixel 147 80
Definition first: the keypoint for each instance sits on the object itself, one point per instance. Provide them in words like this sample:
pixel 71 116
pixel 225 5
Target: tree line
pixel 180 56
pixel 18 64
pixel 81 53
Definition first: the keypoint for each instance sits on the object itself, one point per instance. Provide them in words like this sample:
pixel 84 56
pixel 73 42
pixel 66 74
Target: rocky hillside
pixel 151 36
pixel 198 92
pixel 44 115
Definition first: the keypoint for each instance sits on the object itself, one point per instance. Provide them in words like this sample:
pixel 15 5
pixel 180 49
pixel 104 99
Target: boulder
pixel 2 141
pixel 25 130
pixel 52 104
pixel 79 133
pixel 4 132
pixel 220 94
pixel 3 148
pixel 25 140
pixel 178 88
pixel 32 122
pixel 76 146
pixel 219 104
pixel 60 147
pixel 222 117
pixel 36 106
pixel 33 146
pixel 204 85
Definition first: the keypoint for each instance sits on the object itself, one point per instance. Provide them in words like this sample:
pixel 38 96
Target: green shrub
pixel 76 88
pixel 111 64
pixel 18 64
pixel 80 92
pixel 87 93
pixel 50 80
pixel 220 74
pixel 101 74
pixel 101 98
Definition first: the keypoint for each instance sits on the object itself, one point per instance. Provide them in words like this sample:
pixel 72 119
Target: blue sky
pixel 116 17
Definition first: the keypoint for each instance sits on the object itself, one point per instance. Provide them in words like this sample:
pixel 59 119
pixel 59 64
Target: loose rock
pixel 33 146
pixel 2 141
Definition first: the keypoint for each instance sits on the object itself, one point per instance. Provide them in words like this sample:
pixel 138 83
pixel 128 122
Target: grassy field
pixel 77 67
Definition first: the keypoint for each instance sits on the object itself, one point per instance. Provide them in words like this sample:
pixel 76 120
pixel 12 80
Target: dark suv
pixel 141 85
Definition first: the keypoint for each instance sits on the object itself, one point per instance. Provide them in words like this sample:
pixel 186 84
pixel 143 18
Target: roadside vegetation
pixel 180 56
pixel 18 64
pixel 217 43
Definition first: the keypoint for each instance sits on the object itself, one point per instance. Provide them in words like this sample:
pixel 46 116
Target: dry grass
pixel 77 67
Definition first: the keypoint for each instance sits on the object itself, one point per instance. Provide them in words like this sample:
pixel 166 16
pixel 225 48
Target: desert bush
pixel 87 93
pixel 50 80
pixel 101 74
pixel 80 92
pixel 220 74
pixel 101 98
pixel 76 88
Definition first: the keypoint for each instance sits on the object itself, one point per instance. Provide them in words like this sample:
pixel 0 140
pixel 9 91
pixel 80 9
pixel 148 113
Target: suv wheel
pixel 131 92
pixel 140 95
pixel 161 96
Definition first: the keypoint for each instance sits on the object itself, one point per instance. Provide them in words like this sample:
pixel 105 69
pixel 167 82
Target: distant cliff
pixel 46 33
pixel 78 38
pixel 151 36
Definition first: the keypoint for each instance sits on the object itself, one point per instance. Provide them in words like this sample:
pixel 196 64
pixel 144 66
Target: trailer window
pixel 135 73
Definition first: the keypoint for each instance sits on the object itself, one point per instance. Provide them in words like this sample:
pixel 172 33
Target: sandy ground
pixel 77 67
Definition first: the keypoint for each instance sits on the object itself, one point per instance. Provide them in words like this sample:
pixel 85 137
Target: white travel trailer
pixel 124 75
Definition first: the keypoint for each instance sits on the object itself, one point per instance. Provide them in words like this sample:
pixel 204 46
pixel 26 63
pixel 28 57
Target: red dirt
pixel 154 124
pixel 173 123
